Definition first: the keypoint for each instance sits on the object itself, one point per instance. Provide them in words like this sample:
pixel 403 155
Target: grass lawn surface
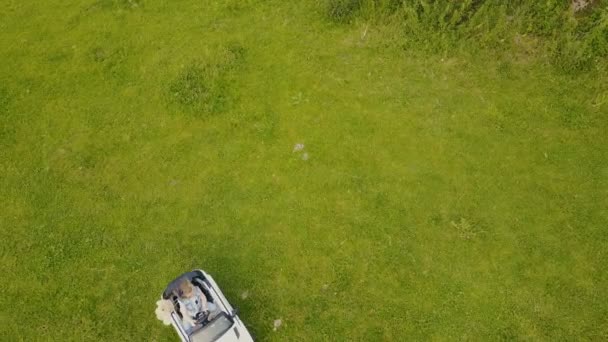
pixel 435 197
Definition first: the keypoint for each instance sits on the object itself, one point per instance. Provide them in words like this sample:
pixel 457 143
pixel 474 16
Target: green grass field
pixel 438 196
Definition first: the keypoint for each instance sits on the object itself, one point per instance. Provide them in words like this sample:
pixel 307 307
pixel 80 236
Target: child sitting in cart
pixel 192 304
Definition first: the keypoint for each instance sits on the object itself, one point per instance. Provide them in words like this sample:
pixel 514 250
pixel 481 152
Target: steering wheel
pixel 201 317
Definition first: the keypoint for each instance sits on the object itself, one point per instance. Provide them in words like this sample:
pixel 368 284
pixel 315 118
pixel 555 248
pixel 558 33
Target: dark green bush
pixel 190 88
pixel 203 88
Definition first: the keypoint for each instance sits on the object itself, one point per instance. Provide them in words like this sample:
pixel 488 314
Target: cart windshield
pixel 213 330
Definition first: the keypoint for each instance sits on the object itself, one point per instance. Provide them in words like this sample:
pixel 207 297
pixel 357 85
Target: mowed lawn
pixel 436 197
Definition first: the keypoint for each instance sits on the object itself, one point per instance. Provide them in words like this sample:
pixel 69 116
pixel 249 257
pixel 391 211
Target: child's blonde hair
pixel 185 289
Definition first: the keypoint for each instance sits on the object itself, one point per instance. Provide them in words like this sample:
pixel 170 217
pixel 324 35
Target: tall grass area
pixel 571 35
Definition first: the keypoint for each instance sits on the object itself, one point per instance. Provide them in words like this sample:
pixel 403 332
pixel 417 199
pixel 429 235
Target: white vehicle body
pixel 225 326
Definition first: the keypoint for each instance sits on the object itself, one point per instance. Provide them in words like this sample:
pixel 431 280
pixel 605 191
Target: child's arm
pixel 203 299
pixel 186 316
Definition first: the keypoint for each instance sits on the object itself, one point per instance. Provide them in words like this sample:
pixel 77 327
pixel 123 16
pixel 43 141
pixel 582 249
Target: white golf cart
pixel 224 326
